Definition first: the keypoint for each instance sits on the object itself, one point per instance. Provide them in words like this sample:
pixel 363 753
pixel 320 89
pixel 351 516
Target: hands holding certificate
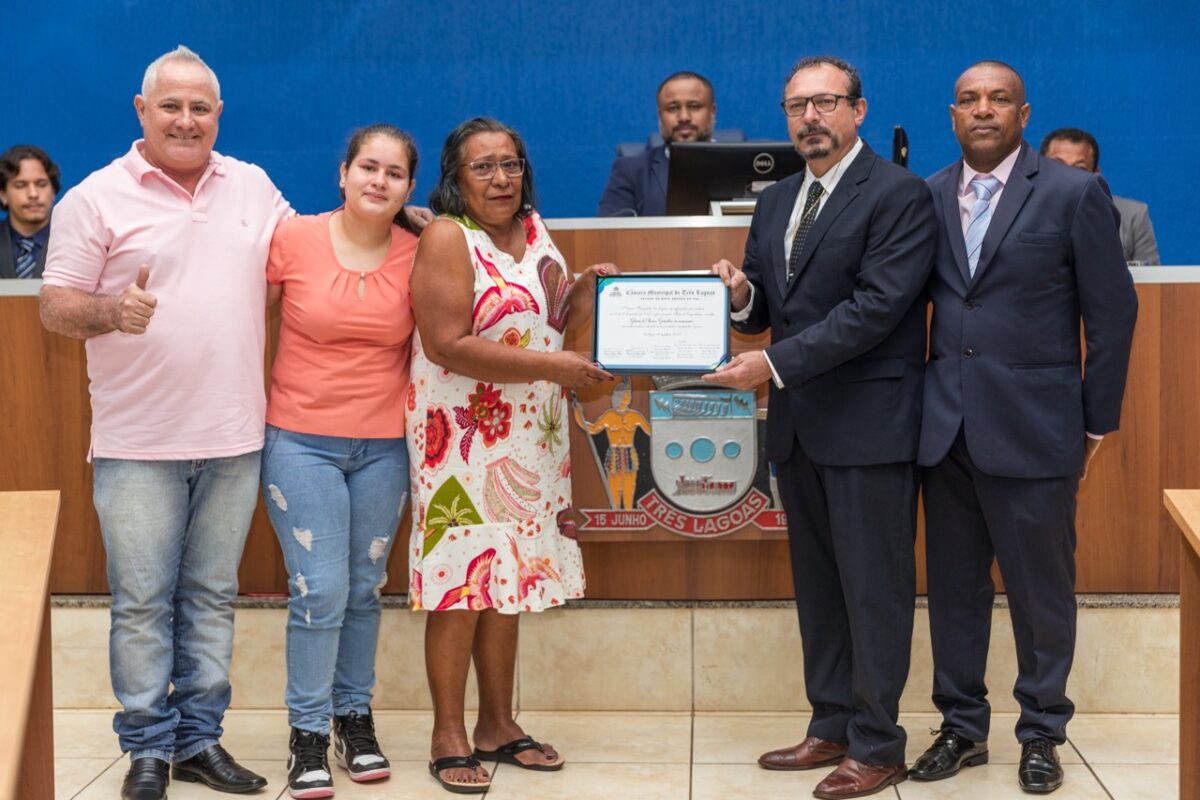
pixel 750 369
pixel 661 323
pixel 735 279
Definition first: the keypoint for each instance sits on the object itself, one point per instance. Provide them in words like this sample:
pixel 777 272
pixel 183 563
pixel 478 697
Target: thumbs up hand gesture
pixel 135 306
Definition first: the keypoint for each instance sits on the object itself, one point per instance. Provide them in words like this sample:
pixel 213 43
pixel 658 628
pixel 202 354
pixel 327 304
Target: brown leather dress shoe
pixel 810 753
pixel 856 779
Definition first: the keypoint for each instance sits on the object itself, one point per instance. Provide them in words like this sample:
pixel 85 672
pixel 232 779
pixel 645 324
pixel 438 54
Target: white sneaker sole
pixel 364 776
pixel 311 794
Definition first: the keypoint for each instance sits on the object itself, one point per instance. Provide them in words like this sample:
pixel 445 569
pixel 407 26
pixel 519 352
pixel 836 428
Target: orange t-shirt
pixel 344 341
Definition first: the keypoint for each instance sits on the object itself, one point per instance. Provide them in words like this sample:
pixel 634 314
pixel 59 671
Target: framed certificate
pixel 661 322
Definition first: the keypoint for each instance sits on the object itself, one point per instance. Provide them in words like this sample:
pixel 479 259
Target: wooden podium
pixel 1127 542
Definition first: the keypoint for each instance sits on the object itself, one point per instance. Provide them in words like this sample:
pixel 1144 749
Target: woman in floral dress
pixel 492 529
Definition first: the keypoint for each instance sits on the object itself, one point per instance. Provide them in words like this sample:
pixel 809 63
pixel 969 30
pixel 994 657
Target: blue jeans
pixel 335 504
pixel 174 533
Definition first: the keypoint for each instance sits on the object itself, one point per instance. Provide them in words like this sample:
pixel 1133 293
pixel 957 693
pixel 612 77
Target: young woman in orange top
pixel 335 465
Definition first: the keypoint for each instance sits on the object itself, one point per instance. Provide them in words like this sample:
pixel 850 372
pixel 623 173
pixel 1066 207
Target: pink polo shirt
pixel 192 386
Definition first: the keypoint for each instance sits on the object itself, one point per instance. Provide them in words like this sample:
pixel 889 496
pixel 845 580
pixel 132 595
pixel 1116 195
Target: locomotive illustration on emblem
pixel 692 467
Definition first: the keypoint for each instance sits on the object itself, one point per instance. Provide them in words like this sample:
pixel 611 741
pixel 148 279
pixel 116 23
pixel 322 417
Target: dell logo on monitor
pixel 764 163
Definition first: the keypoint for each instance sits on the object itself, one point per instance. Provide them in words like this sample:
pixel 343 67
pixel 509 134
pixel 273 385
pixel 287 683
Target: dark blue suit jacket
pixel 1005 345
pixel 8 267
pixel 637 184
pixel 848 332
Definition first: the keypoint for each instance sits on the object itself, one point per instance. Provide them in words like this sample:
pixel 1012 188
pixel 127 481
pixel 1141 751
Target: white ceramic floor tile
pixel 404 735
pixel 593 782
pixel 999 782
pixel 84 734
pixel 256 734
pixel 613 738
pixel 1126 738
pixel 742 738
pixel 1140 782
pixel 725 781
pixel 71 775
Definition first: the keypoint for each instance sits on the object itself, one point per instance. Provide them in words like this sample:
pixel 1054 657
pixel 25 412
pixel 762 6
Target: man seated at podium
pixel 1078 148
pixel 637 186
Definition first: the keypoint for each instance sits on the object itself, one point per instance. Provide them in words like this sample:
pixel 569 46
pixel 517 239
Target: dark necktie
pixel 25 259
pixel 811 203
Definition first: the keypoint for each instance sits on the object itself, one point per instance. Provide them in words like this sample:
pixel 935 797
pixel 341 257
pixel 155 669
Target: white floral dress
pixel 490 462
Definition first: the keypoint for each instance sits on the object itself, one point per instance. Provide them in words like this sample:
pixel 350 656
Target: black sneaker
pixel 357 750
pixel 308 766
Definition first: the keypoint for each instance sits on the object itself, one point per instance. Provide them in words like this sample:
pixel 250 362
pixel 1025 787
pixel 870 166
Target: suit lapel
pixel 7 268
pixel 1016 191
pixel 847 189
pixel 782 214
pixel 953 222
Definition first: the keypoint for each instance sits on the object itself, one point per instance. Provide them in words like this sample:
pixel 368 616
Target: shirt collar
pixel 139 167
pixel 1001 173
pixel 834 174
pixel 41 238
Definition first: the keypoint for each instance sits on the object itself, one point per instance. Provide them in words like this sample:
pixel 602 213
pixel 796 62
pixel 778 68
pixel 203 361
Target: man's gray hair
pixel 182 55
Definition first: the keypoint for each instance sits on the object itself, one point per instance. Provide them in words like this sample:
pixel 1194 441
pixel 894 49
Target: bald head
pixel 997 68
pixel 989 113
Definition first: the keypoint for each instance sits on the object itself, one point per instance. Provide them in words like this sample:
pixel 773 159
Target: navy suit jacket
pixel 8 269
pixel 638 184
pixel 1005 355
pixel 848 332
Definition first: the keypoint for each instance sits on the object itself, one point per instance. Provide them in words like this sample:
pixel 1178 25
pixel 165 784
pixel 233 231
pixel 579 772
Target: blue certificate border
pixel 606 281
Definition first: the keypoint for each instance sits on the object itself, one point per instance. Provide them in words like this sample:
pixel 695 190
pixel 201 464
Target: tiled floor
pixel 648 756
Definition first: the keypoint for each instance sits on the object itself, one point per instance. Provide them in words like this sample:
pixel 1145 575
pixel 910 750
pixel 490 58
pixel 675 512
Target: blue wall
pixel 577 78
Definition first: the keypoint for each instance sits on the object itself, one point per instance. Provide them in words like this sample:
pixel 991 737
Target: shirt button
pixel 969 304
pixel 968 352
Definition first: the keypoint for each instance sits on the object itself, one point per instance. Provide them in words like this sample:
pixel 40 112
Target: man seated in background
pixel 637 186
pixel 29 181
pixel 1078 148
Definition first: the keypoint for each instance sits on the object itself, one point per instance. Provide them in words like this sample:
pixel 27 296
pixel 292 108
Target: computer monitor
pixel 700 172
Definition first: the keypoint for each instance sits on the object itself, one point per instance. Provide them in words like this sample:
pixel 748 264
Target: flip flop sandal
pixel 456 762
pixel 507 754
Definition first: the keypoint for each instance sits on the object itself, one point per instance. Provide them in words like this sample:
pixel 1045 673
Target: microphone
pixel 899 146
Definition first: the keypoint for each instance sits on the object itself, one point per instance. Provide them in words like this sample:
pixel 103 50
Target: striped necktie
pixel 984 187
pixel 811 203
pixel 25 258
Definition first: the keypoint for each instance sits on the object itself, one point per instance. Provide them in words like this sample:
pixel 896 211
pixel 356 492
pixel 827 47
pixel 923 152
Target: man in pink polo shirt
pixel 158 261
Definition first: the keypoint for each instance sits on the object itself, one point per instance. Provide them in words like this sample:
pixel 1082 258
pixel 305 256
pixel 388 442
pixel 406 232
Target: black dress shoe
pixel 217 768
pixel 147 779
pixel 946 756
pixel 1039 771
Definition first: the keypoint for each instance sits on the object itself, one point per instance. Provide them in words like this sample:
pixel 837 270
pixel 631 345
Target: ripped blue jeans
pixel 335 504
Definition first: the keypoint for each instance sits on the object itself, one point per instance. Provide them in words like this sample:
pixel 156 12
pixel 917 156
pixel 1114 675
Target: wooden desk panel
pixel 1126 541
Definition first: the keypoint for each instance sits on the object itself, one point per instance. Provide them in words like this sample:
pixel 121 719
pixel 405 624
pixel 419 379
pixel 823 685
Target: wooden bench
pixel 1184 505
pixel 28 522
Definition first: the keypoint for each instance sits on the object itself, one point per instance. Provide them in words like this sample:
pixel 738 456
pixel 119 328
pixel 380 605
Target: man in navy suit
pixel 1026 248
pixel 835 265
pixel 29 181
pixel 637 185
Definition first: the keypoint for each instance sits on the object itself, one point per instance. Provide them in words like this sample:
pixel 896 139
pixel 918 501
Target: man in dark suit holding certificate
pixel 1027 248
pixel 836 263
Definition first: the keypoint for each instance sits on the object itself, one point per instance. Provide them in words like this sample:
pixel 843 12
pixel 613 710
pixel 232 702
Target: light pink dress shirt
pixel 966 195
pixel 191 387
